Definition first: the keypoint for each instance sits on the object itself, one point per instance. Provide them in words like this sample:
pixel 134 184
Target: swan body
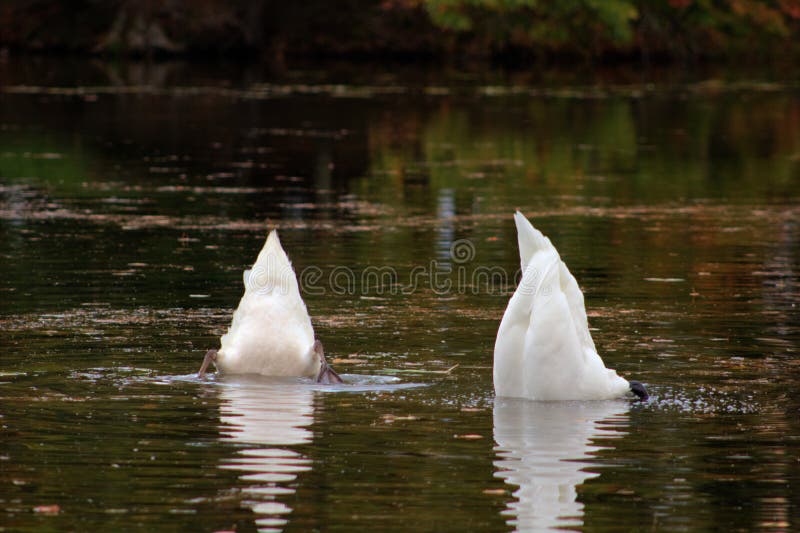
pixel 271 332
pixel 544 350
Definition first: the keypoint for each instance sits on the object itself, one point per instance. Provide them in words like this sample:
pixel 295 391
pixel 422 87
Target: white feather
pixel 544 350
pixel 271 332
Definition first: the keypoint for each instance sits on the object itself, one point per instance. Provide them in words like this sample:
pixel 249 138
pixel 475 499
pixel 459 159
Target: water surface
pixel 129 207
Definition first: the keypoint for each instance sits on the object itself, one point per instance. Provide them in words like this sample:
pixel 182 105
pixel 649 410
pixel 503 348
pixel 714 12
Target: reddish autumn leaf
pixel 790 8
pixel 47 509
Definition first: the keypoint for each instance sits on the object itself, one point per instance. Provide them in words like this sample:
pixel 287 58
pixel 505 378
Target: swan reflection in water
pixel 268 417
pixel 544 448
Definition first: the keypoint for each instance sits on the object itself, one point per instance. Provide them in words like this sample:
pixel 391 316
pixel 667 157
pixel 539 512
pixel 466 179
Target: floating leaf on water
pixel 419 371
pixel 47 509
pixel 392 418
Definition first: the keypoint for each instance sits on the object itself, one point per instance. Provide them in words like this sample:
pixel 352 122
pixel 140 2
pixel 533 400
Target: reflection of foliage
pixel 628 151
pixel 33 157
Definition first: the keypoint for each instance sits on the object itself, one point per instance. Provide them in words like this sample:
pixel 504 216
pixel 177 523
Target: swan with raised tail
pixel 544 350
pixel 271 332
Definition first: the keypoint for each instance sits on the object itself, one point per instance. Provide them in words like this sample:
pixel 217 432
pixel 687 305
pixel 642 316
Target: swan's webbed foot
pixel 326 374
pixel 639 390
pixel 211 357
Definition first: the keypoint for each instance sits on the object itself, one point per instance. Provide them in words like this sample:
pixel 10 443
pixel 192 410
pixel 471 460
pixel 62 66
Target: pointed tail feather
pixel 272 269
pixel 530 239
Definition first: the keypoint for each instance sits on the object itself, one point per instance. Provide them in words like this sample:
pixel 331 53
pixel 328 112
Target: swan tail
pixel 272 270
pixel 530 240
pixel 273 250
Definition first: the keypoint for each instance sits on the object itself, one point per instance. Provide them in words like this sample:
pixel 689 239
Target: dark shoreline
pixel 476 34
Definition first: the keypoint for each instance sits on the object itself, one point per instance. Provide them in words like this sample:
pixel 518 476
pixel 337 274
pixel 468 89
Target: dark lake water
pixel 131 200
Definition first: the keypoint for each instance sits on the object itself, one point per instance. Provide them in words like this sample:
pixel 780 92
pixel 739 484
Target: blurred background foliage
pixel 450 29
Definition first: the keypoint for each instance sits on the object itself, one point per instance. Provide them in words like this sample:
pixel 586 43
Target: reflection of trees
pixel 544 448
pixel 635 174
pixel 626 150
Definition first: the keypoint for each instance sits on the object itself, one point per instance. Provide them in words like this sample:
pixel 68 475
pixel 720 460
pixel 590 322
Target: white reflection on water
pixel 544 449
pixel 269 417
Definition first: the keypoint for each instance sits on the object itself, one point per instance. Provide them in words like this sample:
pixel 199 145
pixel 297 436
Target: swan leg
pixel 326 374
pixel 211 356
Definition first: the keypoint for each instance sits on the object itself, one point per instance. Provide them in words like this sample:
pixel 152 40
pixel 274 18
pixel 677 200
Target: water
pixel 130 203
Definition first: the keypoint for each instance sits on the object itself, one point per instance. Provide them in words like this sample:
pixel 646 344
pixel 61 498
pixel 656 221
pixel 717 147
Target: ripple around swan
pixel 702 400
pixel 352 382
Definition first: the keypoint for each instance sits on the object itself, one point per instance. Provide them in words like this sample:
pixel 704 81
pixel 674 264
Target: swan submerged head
pixel 639 390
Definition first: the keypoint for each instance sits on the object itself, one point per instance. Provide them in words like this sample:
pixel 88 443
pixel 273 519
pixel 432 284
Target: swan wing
pixel 553 356
pixel 577 308
pixel 532 241
pixel 509 349
pixel 509 346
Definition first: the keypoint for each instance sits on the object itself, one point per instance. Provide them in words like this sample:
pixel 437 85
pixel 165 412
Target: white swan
pixel 544 350
pixel 271 332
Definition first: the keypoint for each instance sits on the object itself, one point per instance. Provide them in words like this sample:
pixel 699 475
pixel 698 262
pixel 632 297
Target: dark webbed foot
pixel 211 357
pixel 639 390
pixel 326 374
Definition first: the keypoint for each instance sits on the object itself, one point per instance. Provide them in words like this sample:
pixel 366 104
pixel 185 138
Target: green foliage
pixel 616 16
pixel 597 26
pixel 527 22
pixel 668 28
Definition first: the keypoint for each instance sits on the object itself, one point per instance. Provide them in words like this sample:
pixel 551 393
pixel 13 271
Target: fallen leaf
pixel 494 492
pixel 340 361
pixel 47 509
pixel 411 371
pixel 391 418
pixel 468 436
